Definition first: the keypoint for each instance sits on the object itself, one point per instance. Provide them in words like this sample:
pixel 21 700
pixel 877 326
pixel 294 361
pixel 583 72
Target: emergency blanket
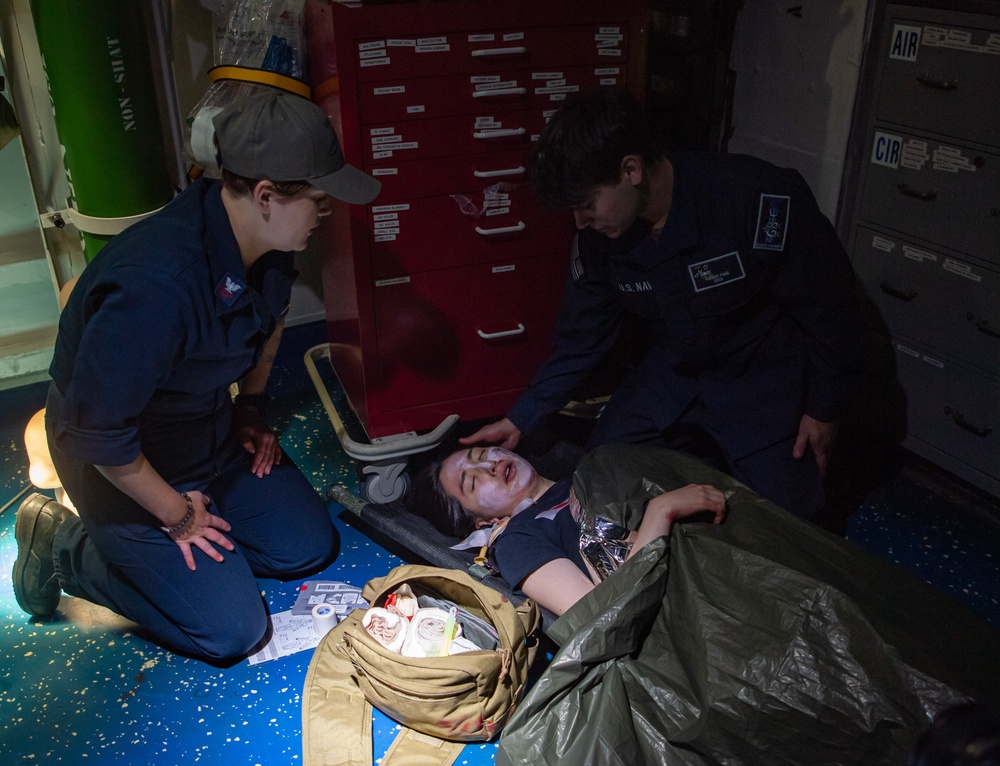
pixel 764 640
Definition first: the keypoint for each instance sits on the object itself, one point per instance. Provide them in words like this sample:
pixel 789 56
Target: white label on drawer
pixel 487 86
pixel 385 217
pixel 609 30
pixel 433 48
pixel 546 75
pixel 415 109
pixel 557 97
pixel 384 237
pixel 886 149
pixel 374 54
pixel 484 78
pixel 560 89
pixel 951 160
pixel 908 351
pixel 405 145
pixel 608 81
pixel 381 131
pixel 609 51
pixel 381 155
pixel 386 230
pixel 375 62
pixel 498 211
pixel 371 46
pixel 612 37
pixel 393 221
pixel 484 38
pixel 394 281
pixel 608 43
pixel 385 172
pixel 883 244
pixel 379 140
pixel 512 36
pixel 905 42
pixel 962 269
pixel 915 254
pixel 942 37
pixel 548 113
pixel 401 43
pixel 487 122
pixel 501 269
pixel 432 41
pixel 391 208
pixel 914 155
pixel 555 83
pixel 933 362
pixel 604 70
pixel 395 89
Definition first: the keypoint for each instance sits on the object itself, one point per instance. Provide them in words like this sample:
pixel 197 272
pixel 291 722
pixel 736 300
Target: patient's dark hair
pixel 434 504
pixel 962 735
pixel 582 146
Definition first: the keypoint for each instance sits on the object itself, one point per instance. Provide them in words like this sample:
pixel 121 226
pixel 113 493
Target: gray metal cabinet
pixel 925 228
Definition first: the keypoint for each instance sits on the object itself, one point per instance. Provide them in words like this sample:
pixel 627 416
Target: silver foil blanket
pixel 603 543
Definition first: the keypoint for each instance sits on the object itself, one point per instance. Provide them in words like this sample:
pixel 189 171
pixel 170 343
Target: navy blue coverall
pixel 751 301
pixel 158 326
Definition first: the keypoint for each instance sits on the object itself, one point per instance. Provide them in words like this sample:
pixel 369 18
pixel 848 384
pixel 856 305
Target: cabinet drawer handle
pixel 981 431
pixel 519 226
pixel 928 81
pixel 500 92
pixel 518 171
pixel 983 325
pixel 895 292
pixel 499 133
pixel 512 51
pixel 927 196
pixel 519 330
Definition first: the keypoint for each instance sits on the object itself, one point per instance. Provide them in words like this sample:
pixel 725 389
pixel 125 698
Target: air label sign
pixel 886 149
pixel 905 42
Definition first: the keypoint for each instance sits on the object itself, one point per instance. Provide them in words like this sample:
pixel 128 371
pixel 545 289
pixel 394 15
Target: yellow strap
pixel 481 558
pixel 328 87
pixel 261 76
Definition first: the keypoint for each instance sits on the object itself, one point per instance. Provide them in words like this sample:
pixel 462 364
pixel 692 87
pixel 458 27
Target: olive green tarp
pixel 764 640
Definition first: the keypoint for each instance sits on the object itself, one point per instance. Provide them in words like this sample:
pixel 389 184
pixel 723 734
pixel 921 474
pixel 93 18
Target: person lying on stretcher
pixel 541 541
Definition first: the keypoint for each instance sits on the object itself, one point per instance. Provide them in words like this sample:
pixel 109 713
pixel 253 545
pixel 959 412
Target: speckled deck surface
pixel 85 688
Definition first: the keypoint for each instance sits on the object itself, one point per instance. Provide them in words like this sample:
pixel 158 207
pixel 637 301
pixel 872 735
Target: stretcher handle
pixel 499 92
pixel 499 133
pixel 519 330
pixel 511 51
pixel 519 226
pixel 518 171
pixel 393 446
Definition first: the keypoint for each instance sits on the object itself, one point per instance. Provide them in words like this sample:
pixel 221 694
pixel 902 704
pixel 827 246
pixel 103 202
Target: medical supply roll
pixel 103 99
pixel 324 618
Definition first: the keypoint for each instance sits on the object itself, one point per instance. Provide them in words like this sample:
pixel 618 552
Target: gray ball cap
pixel 279 136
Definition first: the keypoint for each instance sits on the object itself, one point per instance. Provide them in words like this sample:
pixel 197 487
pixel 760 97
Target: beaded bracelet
pixel 187 517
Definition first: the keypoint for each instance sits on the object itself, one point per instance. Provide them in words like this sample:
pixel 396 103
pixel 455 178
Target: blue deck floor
pixel 84 688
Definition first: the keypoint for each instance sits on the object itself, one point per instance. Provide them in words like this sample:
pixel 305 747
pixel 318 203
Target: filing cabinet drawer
pixel 450 95
pixel 435 233
pixel 943 301
pixel 952 408
pixel 447 334
pixel 940 75
pixel 486 51
pixel 948 194
pixel 450 136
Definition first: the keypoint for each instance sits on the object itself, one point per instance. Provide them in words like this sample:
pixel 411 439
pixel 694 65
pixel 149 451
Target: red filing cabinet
pixel 441 295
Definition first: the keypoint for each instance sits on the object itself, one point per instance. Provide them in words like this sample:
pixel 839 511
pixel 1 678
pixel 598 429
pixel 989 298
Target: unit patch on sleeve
pixel 772 222
pixel 229 289
pixel 716 272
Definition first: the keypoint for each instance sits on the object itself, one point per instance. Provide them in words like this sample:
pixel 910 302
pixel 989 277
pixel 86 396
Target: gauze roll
pixel 386 627
pixel 423 639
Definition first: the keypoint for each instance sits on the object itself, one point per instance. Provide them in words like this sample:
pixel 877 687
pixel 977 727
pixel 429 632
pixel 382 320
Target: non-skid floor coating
pixel 84 688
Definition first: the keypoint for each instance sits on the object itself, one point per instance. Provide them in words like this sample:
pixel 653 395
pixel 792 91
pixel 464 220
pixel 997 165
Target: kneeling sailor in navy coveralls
pixel 184 496
pixel 758 337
